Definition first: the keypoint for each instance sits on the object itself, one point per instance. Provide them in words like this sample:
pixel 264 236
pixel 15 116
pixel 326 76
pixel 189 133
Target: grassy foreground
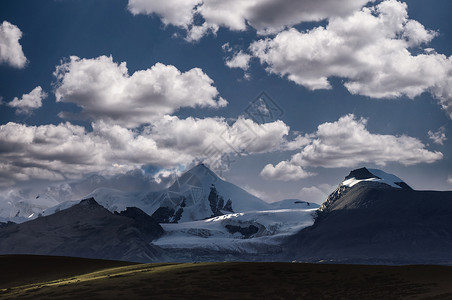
pixel 91 279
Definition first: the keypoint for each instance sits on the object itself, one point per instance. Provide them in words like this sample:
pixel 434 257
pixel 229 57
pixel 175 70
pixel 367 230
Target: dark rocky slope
pixel 86 230
pixel 372 222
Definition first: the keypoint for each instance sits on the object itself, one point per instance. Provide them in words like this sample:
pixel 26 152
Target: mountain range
pixel 372 217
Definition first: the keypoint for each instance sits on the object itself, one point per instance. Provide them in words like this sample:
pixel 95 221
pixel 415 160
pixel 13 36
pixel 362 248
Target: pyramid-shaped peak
pixel 202 171
pixel 199 176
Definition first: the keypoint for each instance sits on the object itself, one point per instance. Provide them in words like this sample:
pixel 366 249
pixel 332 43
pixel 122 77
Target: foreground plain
pixel 29 277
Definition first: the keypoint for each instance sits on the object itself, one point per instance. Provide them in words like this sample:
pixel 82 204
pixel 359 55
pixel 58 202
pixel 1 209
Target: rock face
pixel 86 230
pixel 372 222
pixel 216 202
pixel 362 173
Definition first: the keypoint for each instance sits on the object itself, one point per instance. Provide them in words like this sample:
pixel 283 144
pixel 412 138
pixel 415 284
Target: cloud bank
pixel 67 151
pixel 371 49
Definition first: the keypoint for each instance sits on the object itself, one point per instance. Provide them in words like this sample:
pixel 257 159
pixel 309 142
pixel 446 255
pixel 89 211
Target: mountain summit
pixel 374 175
pixel 199 193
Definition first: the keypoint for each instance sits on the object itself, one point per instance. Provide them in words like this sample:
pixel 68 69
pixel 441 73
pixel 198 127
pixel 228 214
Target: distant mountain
pixel 86 230
pixel 375 217
pixel 19 210
pixel 198 194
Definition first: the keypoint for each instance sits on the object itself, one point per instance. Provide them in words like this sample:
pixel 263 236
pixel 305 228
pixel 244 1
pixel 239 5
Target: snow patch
pixel 380 177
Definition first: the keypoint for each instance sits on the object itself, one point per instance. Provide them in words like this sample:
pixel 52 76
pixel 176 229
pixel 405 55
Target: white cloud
pixel 347 143
pixel 284 171
pixel 28 102
pixel 196 135
pixel 439 136
pixel 105 91
pixel 298 142
pixel 449 179
pixel 10 50
pixel 66 151
pixel 266 16
pixel 316 194
pixel 175 12
pixel 370 49
pixel 239 60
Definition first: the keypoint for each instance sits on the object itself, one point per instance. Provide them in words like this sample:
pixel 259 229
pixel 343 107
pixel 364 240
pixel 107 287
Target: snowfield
pixel 270 226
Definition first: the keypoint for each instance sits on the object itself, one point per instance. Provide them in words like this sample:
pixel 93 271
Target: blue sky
pixel 148 88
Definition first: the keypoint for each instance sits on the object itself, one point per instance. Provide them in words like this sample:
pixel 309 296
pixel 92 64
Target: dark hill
pixel 85 230
pixel 374 223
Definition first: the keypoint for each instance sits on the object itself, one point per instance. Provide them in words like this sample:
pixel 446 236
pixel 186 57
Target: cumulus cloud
pixel 449 179
pixel 10 49
pixel 370 48
pixel 439 136
pixel 105 91
pixel 348 143
pixel 67 151
pixel 28 102
pixel 266 16
pixel 284 171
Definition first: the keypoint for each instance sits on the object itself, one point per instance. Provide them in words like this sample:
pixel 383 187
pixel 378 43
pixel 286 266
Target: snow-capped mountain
pixel 374 175
pixel 198 194
pixel 18 210
pixel 363 177
pixel 375 217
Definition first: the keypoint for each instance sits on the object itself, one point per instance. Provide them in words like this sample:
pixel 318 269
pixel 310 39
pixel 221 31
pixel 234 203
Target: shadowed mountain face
pixel 372 222
pixel 86 230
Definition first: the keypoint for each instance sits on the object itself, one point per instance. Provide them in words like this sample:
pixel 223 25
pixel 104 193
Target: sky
pixel 281 97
